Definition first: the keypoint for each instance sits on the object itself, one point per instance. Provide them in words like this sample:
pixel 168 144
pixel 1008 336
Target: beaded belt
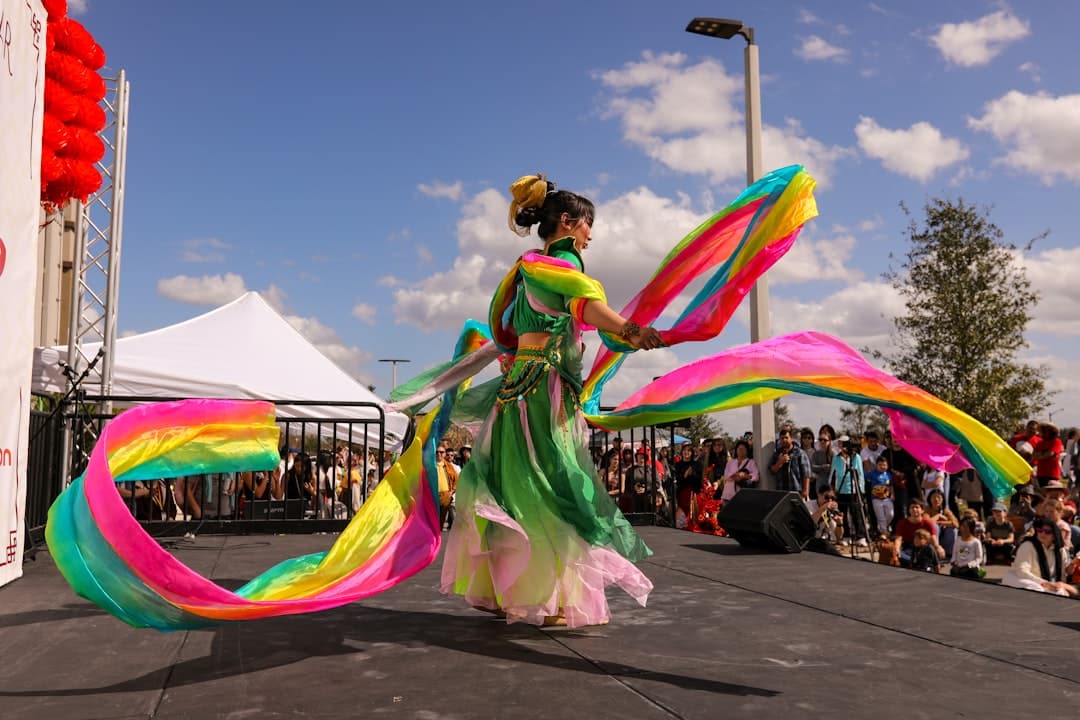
pixel 530 366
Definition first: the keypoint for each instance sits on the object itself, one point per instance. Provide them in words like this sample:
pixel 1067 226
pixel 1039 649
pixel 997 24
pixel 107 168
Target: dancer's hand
pixel 648 339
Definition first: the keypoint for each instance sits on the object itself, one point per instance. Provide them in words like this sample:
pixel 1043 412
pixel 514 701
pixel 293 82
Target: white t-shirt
pixel 968 553
pixel 871 456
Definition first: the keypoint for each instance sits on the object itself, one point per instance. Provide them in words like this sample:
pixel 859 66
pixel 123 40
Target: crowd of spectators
pixel 925 519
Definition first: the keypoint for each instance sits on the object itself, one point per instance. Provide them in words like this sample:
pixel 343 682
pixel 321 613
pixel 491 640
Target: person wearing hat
pixel 1023 503
pixel 999 540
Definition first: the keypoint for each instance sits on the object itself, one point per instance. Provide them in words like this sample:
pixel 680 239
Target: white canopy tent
pixel 244 349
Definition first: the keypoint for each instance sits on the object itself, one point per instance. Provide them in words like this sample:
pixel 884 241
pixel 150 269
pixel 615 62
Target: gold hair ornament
pixel 527 191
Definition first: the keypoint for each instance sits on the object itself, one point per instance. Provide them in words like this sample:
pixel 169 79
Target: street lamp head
pixel 721 28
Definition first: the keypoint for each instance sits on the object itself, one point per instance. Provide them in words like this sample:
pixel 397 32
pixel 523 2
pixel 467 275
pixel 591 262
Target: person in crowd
pixel 1030 435
pixel 740 472
pixel 822 455
pixel 687 479
pixel 845 476
pixel 940 514
pixel 934 479
pixel 714 459
pixel 188 493
pixel 870 453
pixel 1056 490
pixel 902 466
pixel 1041 563
pixel 547 500
pixel 967 556
pixel 1069 458
pixel 639 481
pixel 614 478
pixel 300 487
pixel 924 555
pixel 791 466
pixel 1023 503
pixel 969 489
pixel 464 454
pixel 448 479
pixel 615 449
pixel 326 475
pixel 807 443
pixel 663 458
pixel 1054 510
pixel 880 483
pixel 218 489
pixel 1047 455
pixel 907 527
pixel 1000 537
pixel 825 511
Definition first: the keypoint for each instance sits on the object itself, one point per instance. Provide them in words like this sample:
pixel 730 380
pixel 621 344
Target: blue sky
pixel 350 160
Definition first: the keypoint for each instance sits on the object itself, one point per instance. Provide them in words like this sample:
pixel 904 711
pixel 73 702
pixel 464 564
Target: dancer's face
pixel 580 229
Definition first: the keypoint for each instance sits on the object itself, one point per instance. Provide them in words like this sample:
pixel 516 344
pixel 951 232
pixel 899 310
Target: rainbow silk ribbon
pixel 109 559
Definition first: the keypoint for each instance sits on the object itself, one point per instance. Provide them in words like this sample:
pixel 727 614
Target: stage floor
pixel 728 633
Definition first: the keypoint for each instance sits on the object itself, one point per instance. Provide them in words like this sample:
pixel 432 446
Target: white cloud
pixel 917 152
pixel 685 117
pixel 860 314
pixel 204 250
pixel 450 191
pixel 389 281
pixel 814 260
pixel 423 254
pixel 204 290
pixel 1032 71
pixel 1053 274
pixel 364 312
pixel 808 18
pixel 871 224
pixel 1040 131
pixel 979 41
pixel 349 358
pixel 78 7
pixel 816 48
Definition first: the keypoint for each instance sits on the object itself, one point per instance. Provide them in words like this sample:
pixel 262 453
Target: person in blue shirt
pixel 879 481
pixel 845 476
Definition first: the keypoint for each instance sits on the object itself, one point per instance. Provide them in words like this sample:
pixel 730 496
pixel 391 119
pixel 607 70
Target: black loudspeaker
pixel 768 519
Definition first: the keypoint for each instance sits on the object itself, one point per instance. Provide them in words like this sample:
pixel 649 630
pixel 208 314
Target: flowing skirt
pixel 536 534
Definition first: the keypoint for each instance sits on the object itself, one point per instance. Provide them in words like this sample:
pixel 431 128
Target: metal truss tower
pixel 99 227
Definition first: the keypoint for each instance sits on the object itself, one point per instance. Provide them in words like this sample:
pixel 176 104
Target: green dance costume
pixel 536 534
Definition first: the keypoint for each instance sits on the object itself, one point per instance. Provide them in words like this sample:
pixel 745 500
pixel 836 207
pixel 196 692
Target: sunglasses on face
pixel 1045 531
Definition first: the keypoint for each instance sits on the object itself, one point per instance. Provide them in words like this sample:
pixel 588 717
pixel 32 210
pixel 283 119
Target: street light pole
pixel 393 369
pixel 764 426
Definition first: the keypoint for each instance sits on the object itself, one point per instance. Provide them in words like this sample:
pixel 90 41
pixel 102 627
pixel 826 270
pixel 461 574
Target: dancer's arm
pixel 602 317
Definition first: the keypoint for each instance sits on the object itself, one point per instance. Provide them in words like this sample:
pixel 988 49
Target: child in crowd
pixel 1000 541
pixel 923 555
pixel 967 557
pixel 880 482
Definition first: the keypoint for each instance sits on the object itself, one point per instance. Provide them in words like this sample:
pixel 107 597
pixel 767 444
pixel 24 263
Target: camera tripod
pixel 857 511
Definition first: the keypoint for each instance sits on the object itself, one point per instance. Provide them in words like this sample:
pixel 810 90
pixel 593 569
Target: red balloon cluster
pixel 70 145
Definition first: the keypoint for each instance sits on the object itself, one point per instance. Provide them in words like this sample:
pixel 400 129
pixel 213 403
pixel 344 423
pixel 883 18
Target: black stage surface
pixel 728 633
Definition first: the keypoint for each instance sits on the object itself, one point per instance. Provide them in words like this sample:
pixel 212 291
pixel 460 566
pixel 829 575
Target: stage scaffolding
pixel 99 231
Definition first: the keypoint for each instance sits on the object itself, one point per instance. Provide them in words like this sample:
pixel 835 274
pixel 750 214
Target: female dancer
pixel 537 536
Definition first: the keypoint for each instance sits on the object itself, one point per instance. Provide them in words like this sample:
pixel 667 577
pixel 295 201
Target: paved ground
pixel 728 633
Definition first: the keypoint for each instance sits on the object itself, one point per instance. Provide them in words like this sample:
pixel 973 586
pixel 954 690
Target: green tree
pixel 703 427
pixel 857 419
pixel 967 303
pixel 781 413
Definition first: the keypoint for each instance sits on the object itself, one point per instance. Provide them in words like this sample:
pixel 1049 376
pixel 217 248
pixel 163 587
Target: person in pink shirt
pixel 741 471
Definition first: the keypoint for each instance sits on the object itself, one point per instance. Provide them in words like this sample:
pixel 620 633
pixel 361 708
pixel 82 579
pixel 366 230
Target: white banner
pixel 22 82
